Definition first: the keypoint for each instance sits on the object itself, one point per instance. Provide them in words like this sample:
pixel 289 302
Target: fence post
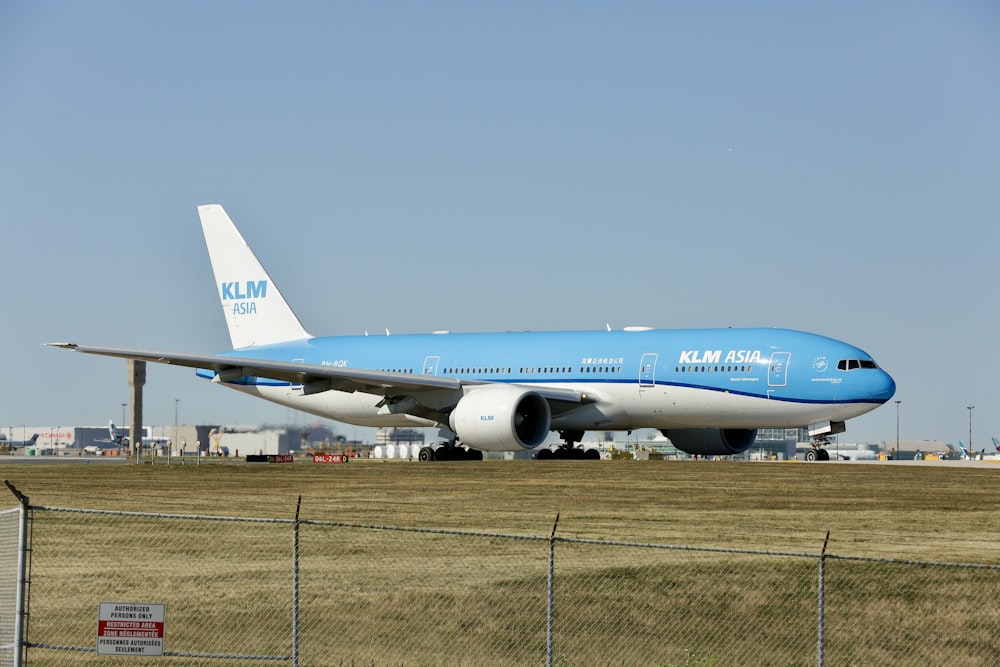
pixel 295 585
pixel 820 621
pixel 550 595
pixel 22 552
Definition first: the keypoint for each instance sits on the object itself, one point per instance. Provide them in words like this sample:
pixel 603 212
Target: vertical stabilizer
pixel 255 311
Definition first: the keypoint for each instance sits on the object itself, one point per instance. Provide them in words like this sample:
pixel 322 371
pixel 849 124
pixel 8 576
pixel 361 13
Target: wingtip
pixel 65 346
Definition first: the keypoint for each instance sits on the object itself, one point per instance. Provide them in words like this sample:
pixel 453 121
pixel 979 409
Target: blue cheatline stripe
pixel 251 381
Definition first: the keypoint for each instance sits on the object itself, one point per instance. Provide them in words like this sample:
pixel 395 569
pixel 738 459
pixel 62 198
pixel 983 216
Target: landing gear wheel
pixel 824 455
pixel 425 454
pixel 592 454
pixel 811 455
pixel 544 453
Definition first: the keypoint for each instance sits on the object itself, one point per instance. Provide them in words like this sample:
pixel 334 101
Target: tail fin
pixel 33 440
pixel 255 311
pixel 996 443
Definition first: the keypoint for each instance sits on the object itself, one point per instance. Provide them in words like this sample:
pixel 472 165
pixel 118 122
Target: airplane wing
pixel 313 378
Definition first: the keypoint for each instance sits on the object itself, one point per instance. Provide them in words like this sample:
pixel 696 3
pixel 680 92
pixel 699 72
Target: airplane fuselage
pixel 695 378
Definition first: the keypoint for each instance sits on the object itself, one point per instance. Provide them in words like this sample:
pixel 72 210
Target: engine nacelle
pixel 711 441
pixel 501 418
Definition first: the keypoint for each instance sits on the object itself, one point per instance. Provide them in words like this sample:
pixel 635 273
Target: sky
pixel 829 166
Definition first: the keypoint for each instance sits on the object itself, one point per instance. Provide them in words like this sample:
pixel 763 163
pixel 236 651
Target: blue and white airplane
pixel 18 444
pixel 966 454
pixel 972 455
pixel 119 439
pixel 708 390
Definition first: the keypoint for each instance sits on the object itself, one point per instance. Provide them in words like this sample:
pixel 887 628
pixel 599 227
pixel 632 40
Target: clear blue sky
pixel 832 166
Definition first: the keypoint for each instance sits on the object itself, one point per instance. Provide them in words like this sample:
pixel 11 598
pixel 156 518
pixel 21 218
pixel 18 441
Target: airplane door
pixel 777 375
pixel 647 370
pixel 431 365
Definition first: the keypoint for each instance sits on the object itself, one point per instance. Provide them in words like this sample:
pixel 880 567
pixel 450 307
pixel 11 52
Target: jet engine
pixel 501 418
pixel 711 441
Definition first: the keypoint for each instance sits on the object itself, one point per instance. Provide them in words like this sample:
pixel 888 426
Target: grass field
pixel 903 511
pixel 376 597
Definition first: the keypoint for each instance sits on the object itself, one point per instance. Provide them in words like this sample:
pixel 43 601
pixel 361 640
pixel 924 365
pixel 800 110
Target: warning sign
pixel 130 628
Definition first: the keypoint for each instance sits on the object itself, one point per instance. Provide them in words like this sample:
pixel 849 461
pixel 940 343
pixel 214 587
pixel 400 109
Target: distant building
pixel 239 441
pixel 778 443
pixel 399 436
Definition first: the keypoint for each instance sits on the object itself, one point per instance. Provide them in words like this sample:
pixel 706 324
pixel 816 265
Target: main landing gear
pixel 818 451
pixel 568 448
pixel 449 451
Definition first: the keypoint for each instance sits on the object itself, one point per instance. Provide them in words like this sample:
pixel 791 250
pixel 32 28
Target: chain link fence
pixel 241 591
pixel 11 583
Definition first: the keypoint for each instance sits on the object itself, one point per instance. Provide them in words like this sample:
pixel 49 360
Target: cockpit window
pixel 852 364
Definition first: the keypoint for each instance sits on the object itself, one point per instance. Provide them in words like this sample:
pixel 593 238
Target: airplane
pixel 821 449
pixel 18 444
pixel 971 455
pixel 857 452
pixel 982 455
pixel 116 438
pixel 966 454
pixel 120 440
pixel 155 440
pixel 707 390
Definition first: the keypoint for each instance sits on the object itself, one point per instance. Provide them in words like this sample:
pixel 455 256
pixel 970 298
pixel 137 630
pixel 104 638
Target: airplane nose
pixel 884 387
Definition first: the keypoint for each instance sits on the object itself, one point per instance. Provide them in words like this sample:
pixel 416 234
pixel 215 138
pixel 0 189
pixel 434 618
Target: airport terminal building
pixel 182 440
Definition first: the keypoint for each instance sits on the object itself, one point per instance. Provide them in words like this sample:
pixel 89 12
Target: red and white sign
pixel 130 628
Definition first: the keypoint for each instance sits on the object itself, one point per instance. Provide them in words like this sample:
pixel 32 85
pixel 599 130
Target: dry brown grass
pixel 371 597
pixel 920 512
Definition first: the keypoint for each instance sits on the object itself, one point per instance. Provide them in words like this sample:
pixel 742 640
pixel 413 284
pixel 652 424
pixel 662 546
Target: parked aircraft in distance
pixel 983 455
pixel 966 454
pixel 116 438
pixel 857 452
pixel 822 449
pixel 18 444
pixel 119 439
pixel 708 390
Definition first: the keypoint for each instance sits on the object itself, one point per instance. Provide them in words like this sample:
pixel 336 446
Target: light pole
pixel 121 436
pixel 177 403
pixel 897 428
pixel 972 452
